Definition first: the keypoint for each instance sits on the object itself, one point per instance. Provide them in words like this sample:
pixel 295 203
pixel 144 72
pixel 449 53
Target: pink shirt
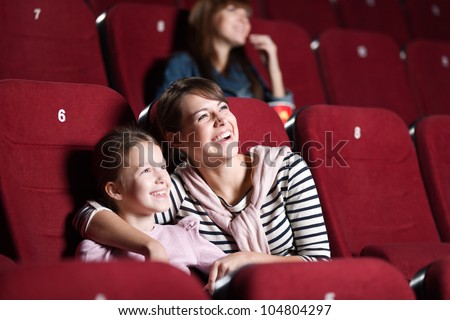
pixel 183 243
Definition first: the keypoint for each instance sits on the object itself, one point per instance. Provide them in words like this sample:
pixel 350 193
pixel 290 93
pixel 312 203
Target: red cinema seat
pixel 315 16
pixel 139 38
pixel 47 133
pixel 367 174
pixel 432 136
pixel 339 279
pixel 362 68
pixel 100 6
pixel 255 5
pixel 50 40
pixel 429 19
pixel 428 68
pixel 297 61
pixel 433 281
pixel 120 280
pixel 385 16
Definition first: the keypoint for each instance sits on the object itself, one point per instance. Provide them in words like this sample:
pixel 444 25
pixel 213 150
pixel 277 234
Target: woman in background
pixel 219 30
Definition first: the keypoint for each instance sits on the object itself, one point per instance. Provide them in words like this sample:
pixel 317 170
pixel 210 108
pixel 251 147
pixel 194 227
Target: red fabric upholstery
pixel 47 132
pixel 255 4
pixel 402 254
pixel 432 136
pixel 315 16
pixel 364 69
pixel 436 284
pixel 428 65
pixel 50 40
pixel 123 280
pixel 6 263
pixel 100 6
pixel 258 124
pixel 340 279
pixel 385 16
pixel 140 38
pixel 297 61
pixel 365 167
pixel 429 19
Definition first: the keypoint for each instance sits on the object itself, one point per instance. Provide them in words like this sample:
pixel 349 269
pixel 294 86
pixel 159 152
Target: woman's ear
pixel 113 190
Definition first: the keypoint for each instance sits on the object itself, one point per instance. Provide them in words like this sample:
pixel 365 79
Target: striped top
pixel 291 216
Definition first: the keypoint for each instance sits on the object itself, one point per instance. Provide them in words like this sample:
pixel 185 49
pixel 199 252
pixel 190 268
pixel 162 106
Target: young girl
pixel 260 207
pixel 134 182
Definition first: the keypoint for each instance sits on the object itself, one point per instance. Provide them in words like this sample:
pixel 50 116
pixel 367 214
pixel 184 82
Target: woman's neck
pixel 231 181
pixel 222 55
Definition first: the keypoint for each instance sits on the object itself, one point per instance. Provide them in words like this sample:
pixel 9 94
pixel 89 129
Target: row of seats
pixel 381 227
pixel 403 20
pixel 58 41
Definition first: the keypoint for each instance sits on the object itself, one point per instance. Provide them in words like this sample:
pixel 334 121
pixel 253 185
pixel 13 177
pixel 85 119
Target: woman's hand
pixel 265 45
pixel 156 252
pixel 269 55
pixel 236 260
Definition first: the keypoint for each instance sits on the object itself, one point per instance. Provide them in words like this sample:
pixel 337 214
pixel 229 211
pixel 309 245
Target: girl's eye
pixel 146 170
pixel 164 167
pixel 224 107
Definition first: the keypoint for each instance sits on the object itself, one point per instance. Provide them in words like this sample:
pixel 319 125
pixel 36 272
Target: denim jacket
pixel 234 84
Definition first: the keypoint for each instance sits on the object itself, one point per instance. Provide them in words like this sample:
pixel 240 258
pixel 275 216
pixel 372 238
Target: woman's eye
pixel 224 107
pixel 146 170
pixel 201 117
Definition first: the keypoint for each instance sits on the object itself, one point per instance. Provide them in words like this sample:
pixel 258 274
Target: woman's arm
pixel 265 44
pixel 102 225
pixel 304 211
pixel 109 229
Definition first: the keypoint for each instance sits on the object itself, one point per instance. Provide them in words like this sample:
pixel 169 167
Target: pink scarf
pixel 246 227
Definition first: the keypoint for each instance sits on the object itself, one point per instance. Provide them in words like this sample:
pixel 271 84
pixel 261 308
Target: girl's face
pixel 232 25
pixel 145 181
pixel 209 133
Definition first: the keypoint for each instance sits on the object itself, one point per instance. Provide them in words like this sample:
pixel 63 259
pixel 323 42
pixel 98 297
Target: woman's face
pixel 232 25
pixel 209 133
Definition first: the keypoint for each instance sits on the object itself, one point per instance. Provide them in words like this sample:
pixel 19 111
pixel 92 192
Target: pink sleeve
pixel 206 252
pixel 90 251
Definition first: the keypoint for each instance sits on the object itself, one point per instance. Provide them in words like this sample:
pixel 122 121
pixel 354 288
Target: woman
pixel 258 208
pixel 219 30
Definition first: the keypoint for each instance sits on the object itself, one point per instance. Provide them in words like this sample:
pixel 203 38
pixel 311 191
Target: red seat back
pixel 364 69
pixel 365 167
pixel 139 40
pixel 297 61
pixel 428 67
pixel 47 132
pixel 50 40
pixel 340 279
pixel 385 16
pixel 120 280
pixel 432 135
pixel 314 16
pixel 429 19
